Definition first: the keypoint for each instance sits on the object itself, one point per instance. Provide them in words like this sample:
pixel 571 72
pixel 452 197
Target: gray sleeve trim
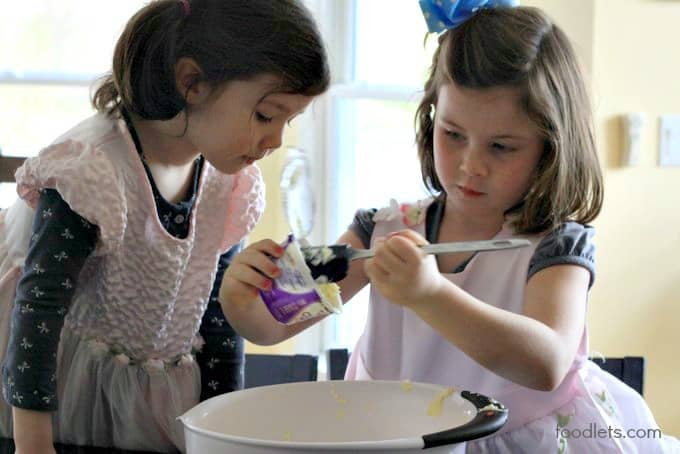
pixel 363 225
pixel 570 244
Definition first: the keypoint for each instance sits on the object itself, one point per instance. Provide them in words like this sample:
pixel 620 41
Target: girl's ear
pixel 187 80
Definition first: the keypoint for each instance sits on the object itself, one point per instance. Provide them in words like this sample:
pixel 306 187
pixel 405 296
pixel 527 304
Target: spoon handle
pixel 457 246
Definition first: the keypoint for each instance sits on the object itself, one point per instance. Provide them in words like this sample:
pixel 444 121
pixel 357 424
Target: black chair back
pixel 264 369
pixel 629 369
pixel 337 359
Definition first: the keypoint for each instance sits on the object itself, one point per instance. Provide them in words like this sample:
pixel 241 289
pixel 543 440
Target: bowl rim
pixel 481 424
pixel 394 443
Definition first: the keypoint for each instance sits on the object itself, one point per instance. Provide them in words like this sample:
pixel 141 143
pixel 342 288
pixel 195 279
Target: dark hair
pixel 229 39
pixel 521 48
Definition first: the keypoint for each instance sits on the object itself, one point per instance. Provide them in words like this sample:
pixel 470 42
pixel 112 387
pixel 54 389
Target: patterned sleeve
pixel 221 358
pixel 363 225
pixel 61 241
pixel 570 244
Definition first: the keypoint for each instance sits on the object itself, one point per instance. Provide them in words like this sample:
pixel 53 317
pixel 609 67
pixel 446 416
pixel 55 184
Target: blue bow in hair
pixel 446 14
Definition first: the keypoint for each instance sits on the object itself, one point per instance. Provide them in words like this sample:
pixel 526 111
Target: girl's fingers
pixel 398 252
pixel 251 270
pixel 233 289
pixel 249 276
pixel 259 261
pixel 389 258
pixel 412 235
pixel 268 247
pixel 406 247
pixel 375 272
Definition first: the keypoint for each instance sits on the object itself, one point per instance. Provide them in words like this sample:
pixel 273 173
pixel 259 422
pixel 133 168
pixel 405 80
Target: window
pixel 362 135
pixel 51 51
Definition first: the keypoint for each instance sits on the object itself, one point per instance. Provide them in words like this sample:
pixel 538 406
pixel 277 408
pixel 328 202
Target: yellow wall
pixel 635 308
pixel 273 224
pixel 630 49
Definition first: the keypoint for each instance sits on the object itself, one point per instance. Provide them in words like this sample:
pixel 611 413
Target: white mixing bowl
pixel 339 417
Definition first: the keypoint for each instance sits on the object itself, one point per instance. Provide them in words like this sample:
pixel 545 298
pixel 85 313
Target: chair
pixel 8 165
pixel 629 369
pixel 336 359
pixel 264 369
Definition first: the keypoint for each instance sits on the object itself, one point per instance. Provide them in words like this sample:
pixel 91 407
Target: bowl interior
pixel 331 411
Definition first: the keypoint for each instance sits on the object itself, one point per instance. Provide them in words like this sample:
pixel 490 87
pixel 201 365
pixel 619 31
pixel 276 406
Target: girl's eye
pixel 455 135
pixel 262 117
pixel 500 147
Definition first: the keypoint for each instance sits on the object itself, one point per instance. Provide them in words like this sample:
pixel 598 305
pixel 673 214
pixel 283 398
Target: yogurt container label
pixel 294 295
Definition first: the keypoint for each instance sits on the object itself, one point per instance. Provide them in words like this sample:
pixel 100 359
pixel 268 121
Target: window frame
pixel 319 133
pixel 10 76
pixel 10 163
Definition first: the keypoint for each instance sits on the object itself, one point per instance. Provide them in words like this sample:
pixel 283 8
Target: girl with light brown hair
pixel 505 140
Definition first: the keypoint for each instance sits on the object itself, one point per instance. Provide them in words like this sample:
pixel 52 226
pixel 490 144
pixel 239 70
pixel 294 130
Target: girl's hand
pixel 32 431
pixel 252 269
pixel 402 272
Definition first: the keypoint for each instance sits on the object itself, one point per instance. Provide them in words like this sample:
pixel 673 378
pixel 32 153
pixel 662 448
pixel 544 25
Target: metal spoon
pixel 333 261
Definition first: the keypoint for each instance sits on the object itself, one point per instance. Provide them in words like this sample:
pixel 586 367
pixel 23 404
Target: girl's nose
pixel 472 162
pixel 272 141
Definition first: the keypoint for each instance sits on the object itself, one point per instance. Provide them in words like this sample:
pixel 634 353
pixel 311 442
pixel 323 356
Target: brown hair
pixel 230 40
pixel 521 48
